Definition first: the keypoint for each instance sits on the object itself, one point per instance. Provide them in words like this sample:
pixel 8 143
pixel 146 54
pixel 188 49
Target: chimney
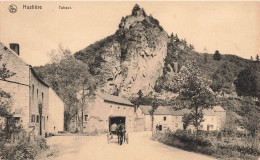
pixel 15 47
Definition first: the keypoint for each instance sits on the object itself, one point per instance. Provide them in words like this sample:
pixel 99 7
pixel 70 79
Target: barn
pixel 104 110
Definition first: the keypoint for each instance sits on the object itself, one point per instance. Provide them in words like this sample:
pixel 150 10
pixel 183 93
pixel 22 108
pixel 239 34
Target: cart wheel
pixel 121 140
pixel 108 138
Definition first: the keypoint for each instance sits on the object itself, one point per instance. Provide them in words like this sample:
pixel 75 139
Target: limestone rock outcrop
pixel 132 59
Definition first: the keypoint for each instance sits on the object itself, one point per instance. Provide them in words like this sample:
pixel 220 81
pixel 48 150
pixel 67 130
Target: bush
pixel 184 140
pixel 24 149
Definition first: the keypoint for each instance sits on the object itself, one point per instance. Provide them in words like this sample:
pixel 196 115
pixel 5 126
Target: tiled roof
pixel 218 109
pixel 208 112
pixel 166 110
pixel 114 99
pixel 2 46
pixel 178 112
pixel 159 111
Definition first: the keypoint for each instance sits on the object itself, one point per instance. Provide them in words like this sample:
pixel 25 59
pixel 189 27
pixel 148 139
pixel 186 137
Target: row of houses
pixel 105 110
pixel 35 106
pixel 165 117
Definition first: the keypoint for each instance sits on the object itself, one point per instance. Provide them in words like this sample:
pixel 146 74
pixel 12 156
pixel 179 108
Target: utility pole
pixel 82 110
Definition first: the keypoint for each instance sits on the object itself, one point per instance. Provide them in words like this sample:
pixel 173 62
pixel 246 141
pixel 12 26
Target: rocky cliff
pixel 132 59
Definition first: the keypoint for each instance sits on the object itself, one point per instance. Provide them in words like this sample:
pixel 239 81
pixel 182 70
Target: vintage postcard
pixel 132 80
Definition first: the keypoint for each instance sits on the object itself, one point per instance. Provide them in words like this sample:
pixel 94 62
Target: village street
pixel 140 147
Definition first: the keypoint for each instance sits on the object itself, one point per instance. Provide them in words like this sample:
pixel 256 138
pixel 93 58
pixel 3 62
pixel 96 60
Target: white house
pixel 56 113
pixel 162 118
pixel 168 118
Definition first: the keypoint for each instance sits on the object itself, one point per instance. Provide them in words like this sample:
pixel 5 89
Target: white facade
pixel 56 113
pixel 213 118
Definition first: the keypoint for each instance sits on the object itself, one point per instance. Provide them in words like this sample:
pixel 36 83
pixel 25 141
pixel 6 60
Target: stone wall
pixel 99 111
pixel 39 94
pixel 17 85
pixel 56 113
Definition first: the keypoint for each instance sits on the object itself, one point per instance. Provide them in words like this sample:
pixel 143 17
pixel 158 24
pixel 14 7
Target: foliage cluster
pixel 24 149
pixel 185 140
pixel 68 77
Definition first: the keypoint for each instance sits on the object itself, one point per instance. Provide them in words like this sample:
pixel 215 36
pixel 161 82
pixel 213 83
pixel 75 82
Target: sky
pixel 230 27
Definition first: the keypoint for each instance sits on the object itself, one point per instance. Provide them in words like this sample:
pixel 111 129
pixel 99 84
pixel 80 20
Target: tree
pixel 248 82
pixel 205 58
pixel 217 56
pixel 155 105
pixel 68 77
pixel 5 105
pixel 251 122
pixel 223 78
pixel 257 58
pixel 5 98
pixel 186 120
pixel 196 96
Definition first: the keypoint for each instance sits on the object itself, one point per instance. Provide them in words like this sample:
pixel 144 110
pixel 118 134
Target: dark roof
pixel 114 99
pixel 218 109
pixel 33 72
pixel 180 112
pixel 208 112
pixel 166 110
pixel 36 76
pixel 159 111
pixel 145 109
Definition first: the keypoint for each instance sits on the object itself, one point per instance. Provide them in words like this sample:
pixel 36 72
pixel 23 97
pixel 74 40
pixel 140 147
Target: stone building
pixel 30 95
pixel 56 113
pixel 104 110
pixel 167 118
pixel 162 118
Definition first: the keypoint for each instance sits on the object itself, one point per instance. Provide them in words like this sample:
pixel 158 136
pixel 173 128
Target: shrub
pixel 24 149
pixel 184 140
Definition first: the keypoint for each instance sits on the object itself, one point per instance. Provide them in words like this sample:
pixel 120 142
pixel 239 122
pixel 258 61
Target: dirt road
pixel 140 147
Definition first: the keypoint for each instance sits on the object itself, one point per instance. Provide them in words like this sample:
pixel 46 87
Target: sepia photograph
pixel 129 80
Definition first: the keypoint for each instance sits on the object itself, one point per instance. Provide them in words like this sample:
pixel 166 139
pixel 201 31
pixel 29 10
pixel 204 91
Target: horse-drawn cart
pixel 118 131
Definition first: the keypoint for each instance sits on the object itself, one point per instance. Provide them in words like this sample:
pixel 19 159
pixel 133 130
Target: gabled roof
pixel 166 110
pixel 180 112
pixel 2 46
pixel 36 76
pixel 114 99
pixel 161 110
pixel 208 112
pixel 218 109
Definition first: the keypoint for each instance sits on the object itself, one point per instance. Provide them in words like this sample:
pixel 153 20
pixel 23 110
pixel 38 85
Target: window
pixel 33 91
pixel 86 117
pixel 164 118
pixel 37 119
pixel 43 119
pixel 42 96
pixel 33 118
pixel 176 125
pixel 37 93
pixel 160 127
